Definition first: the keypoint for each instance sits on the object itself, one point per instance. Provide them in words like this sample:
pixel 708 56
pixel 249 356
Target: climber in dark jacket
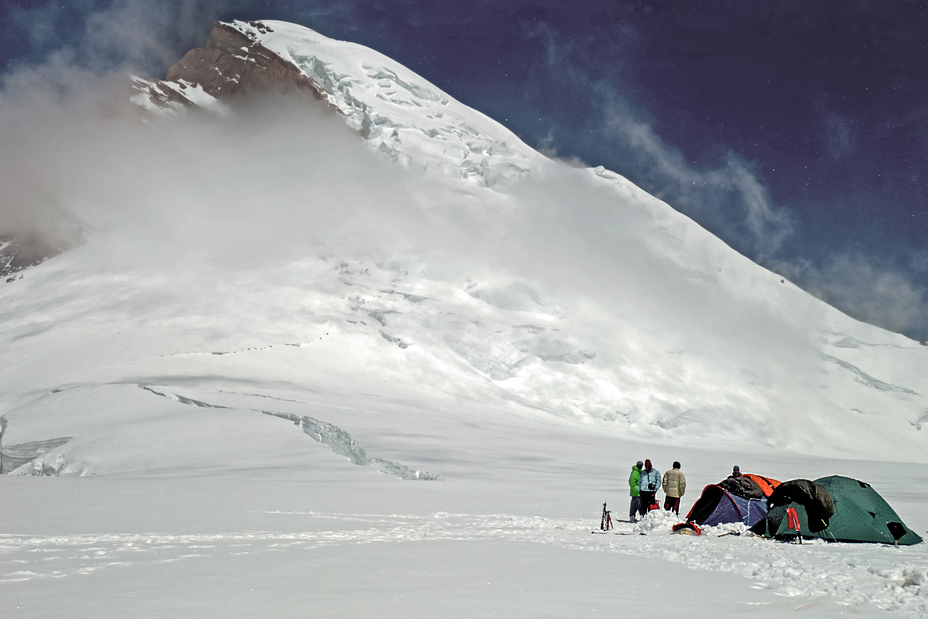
pixel 648 485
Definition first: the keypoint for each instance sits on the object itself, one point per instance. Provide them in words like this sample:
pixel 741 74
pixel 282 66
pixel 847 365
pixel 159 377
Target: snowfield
pixel 237 546
pixel 391 360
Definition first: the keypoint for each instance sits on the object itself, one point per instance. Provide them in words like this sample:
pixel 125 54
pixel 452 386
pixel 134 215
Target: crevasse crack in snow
pixel 323 432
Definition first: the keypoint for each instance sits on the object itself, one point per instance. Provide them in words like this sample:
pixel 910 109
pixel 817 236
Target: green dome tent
pixel 860 515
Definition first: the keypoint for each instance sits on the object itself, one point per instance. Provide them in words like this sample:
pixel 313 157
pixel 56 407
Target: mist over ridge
pixel 481 272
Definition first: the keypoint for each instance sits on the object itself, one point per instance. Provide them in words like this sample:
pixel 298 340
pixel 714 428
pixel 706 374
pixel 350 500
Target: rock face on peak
pixel 19 252
pixel 26 248
pixel 232 62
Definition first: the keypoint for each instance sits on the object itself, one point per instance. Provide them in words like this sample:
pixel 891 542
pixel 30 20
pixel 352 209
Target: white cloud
pixel 129 34
pixel 865 288
pixel 707 193
pixel 728 198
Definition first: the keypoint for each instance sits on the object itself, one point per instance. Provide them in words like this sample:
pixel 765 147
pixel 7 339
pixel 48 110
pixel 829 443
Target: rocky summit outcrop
pixel 32 231
pixel 19 251
pixel 233 62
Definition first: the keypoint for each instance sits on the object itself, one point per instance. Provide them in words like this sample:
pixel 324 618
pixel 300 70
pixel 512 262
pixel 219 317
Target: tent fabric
pixel 766 484
pixel 860 515
pixel 752 510
pixel 816 500
pixel 777 525
pixel 742 486
pixel 718 506
pixel 735 499
pixel 707 502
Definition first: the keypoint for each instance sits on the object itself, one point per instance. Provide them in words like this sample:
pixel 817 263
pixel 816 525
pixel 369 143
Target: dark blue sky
pixel 796 131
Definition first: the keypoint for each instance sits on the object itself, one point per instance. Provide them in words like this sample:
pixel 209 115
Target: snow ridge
pixel 398 112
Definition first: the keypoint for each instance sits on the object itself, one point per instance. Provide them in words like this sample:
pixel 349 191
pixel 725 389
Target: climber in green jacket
pixel 634 492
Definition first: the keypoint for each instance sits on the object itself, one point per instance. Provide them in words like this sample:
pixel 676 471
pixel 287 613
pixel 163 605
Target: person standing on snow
pixel 634 492
pixel 674 485
pixel 648 484
pixel 735 472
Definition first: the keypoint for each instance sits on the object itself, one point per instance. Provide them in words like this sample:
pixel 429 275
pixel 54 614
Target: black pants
pixel 646 499
pixel 672 503
pixel 634 507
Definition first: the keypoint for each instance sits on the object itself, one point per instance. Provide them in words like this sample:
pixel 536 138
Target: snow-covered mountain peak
pixel 398 113
pixel 278 252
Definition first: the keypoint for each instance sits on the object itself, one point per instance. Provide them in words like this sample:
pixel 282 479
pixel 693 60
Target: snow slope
pixel 498 276
pixel 397 112
pixel 285 340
